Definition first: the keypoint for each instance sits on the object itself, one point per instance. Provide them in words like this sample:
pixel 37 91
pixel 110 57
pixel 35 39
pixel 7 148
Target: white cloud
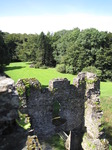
pixel 52 23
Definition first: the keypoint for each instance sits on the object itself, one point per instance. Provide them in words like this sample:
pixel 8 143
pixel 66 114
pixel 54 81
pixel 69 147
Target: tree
pixel 4 53
pixel 63 41
pixel 104 55
pixel 44 51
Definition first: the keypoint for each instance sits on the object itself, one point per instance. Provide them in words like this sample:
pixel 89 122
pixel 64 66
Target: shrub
pixel 61 68
pixel 43 67
pixel 108 75
pixel 69 69
pixel 38 65
pixel 93 70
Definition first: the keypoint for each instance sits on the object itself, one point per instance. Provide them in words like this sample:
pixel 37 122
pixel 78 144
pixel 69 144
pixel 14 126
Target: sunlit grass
pixel 106 104
pixel 22 70
pixel 106 89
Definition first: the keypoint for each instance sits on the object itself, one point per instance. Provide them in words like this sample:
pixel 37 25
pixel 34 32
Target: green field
pixel 22 70
pixel 106 104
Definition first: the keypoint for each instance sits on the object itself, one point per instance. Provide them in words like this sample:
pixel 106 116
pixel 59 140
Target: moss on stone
pixel 23 121
pixel 101 128
pixel 20 91
pixel 27 86
pixel 81 82
pixel 90 81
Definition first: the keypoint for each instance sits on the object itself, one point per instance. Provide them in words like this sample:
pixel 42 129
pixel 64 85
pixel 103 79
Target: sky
pixel 35 16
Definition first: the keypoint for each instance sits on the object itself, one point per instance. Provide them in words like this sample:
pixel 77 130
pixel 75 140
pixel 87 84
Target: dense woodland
pixel 70 51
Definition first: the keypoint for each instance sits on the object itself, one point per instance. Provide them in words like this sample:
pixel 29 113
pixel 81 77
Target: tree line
pixel 68 50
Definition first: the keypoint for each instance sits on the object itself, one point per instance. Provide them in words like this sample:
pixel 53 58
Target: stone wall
pixel 9 103
pixel 79 109
pixel 39 105
pixel 79 113
pixel 11 135
pixel 94 137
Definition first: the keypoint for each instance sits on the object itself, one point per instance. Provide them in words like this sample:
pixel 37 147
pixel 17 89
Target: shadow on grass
pixel 44 86
pixel 14 68
pixel 108 132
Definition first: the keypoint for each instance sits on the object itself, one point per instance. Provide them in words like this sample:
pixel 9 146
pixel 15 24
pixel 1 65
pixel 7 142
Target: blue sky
pixel 36 7
pixel 34 16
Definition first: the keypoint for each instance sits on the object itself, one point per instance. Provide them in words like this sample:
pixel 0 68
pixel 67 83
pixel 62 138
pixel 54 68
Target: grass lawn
pixel 106 89
pixel 22 70
pixel 106 104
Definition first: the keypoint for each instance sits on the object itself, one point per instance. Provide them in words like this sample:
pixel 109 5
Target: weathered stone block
pixel 9 103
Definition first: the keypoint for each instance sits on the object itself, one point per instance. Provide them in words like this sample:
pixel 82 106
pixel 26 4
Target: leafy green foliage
pixel 61 68
pixel 93 70
pixel 4 53
pixel 89 48
pixel 38 65
pixel 70 69
pixel 74 48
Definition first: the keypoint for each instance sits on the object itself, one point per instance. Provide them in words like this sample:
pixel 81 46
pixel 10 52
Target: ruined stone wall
pixel 79 108
pixel 39 105
pixel 9 103
pixel 94 137
pixel 79 111
pixel 11 135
